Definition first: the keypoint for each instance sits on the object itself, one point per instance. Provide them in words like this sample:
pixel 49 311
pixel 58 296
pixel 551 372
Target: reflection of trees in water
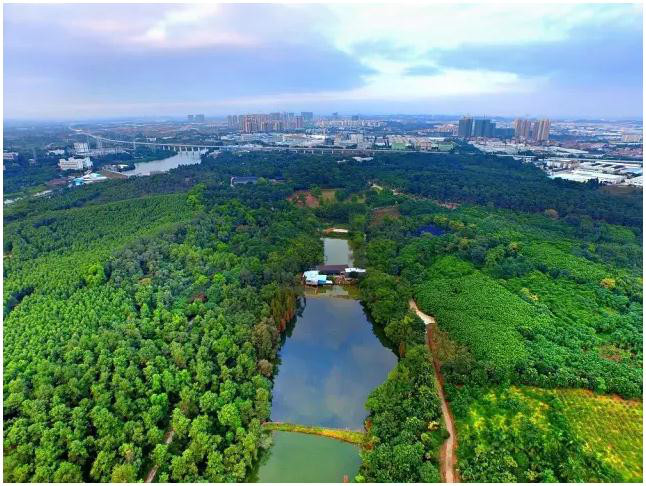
pixel 378 331
pixel 264 453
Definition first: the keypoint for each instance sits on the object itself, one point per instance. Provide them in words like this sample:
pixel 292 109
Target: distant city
pixel 609 152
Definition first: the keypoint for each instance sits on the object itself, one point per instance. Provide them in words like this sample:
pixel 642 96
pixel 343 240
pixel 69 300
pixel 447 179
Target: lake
pixel 164 165
pixel 330 362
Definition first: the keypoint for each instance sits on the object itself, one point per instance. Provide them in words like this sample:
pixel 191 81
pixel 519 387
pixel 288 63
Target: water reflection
pixel 329 365
pixel 330 361
pixel 164 165
pixel 301 458
pixel 337 251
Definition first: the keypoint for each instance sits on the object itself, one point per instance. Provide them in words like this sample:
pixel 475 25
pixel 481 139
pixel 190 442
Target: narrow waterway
pixel 330 363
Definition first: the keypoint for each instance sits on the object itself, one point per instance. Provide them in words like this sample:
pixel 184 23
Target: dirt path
pixel 153 470
pixel 447 454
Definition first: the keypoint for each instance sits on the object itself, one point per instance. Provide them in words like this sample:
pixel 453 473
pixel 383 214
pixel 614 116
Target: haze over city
pixel 90 61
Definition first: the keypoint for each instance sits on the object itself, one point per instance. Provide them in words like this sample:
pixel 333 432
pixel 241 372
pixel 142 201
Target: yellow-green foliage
pixel 523 434
pixel 352 436
pixel 609 426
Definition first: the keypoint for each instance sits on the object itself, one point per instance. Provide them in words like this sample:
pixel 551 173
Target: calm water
pixel 164 165
pixel 302 458
pixel 330 363
pixel 337 251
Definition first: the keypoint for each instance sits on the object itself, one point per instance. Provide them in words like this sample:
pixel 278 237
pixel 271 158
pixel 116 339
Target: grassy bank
pixel 351 436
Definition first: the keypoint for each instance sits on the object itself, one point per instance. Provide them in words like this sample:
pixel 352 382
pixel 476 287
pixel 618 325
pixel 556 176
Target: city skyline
pixel 89 61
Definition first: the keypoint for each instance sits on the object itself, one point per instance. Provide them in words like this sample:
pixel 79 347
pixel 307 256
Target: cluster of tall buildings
pixel 480 127
pixel 195 118
pixel 534 130
pixel 271 122
pixel 537 130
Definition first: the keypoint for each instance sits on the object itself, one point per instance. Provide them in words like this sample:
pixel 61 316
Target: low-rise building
pixel 75 163
pixel 89 179
pixel 243 180
pixel 313 277
pixel 81 148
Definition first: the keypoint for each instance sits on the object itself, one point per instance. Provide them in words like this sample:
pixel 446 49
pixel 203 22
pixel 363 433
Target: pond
pixel 330 362
pixel 164 165
pixel 303 458
pixel 329 365
pixel 337 251
pixel 432 229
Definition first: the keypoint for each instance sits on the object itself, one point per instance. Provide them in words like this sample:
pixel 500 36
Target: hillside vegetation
pixel 151 309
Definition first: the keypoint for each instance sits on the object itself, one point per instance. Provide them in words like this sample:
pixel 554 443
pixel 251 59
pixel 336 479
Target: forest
pixel 142 317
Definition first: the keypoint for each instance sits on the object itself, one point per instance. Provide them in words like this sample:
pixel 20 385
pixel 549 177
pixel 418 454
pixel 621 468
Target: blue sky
pixel 79 61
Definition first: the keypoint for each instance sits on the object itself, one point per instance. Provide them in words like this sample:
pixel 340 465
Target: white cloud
pixel 388 38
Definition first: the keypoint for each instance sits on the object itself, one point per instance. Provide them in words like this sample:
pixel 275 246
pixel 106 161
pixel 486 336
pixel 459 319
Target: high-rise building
pixel 308 116
pixel 232 121
pixel 199 118
pixel 465 127
pixel 538 130
pixel 490 131
pixel 190 117
pixel 543 132
pixel 298 121
pixel 505 133
pixel 483 128
pixel 522 129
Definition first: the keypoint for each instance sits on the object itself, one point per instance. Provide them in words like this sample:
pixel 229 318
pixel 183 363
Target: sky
pixel 98 60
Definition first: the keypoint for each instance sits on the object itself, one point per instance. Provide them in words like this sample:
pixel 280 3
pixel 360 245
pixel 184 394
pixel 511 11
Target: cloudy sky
pixel 80 61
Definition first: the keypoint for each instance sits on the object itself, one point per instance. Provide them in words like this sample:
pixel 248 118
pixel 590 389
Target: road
pixel 447 454
pixel 266 148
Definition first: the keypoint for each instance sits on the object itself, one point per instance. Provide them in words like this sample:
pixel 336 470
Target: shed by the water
pixel 331 269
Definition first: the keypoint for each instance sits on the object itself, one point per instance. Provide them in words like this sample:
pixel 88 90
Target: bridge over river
pixel 184 147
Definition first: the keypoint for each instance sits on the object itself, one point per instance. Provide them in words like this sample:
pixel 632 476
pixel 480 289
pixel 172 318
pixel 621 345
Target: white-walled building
pixel 75 163
pixel 81 148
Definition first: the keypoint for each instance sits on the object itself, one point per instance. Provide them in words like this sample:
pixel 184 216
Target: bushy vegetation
pixel 142 317
pixel 513 435
pixel 610 427
pixel 405 426
pixel 533 299
pixel 157 354
pixel 351 436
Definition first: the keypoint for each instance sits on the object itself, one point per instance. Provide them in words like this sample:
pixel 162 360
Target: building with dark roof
pixel 243 180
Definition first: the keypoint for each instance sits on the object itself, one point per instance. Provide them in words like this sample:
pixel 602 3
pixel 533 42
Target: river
pixel 330 362
pixel 164 165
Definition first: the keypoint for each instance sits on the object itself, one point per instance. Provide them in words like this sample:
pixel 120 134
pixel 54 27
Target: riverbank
pixel 351 436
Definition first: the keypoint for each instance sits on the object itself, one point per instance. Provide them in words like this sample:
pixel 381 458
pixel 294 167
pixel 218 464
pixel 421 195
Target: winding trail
pixel 447 453
pixel 153 471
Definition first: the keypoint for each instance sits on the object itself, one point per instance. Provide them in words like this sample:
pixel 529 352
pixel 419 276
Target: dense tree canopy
pixel 142 317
